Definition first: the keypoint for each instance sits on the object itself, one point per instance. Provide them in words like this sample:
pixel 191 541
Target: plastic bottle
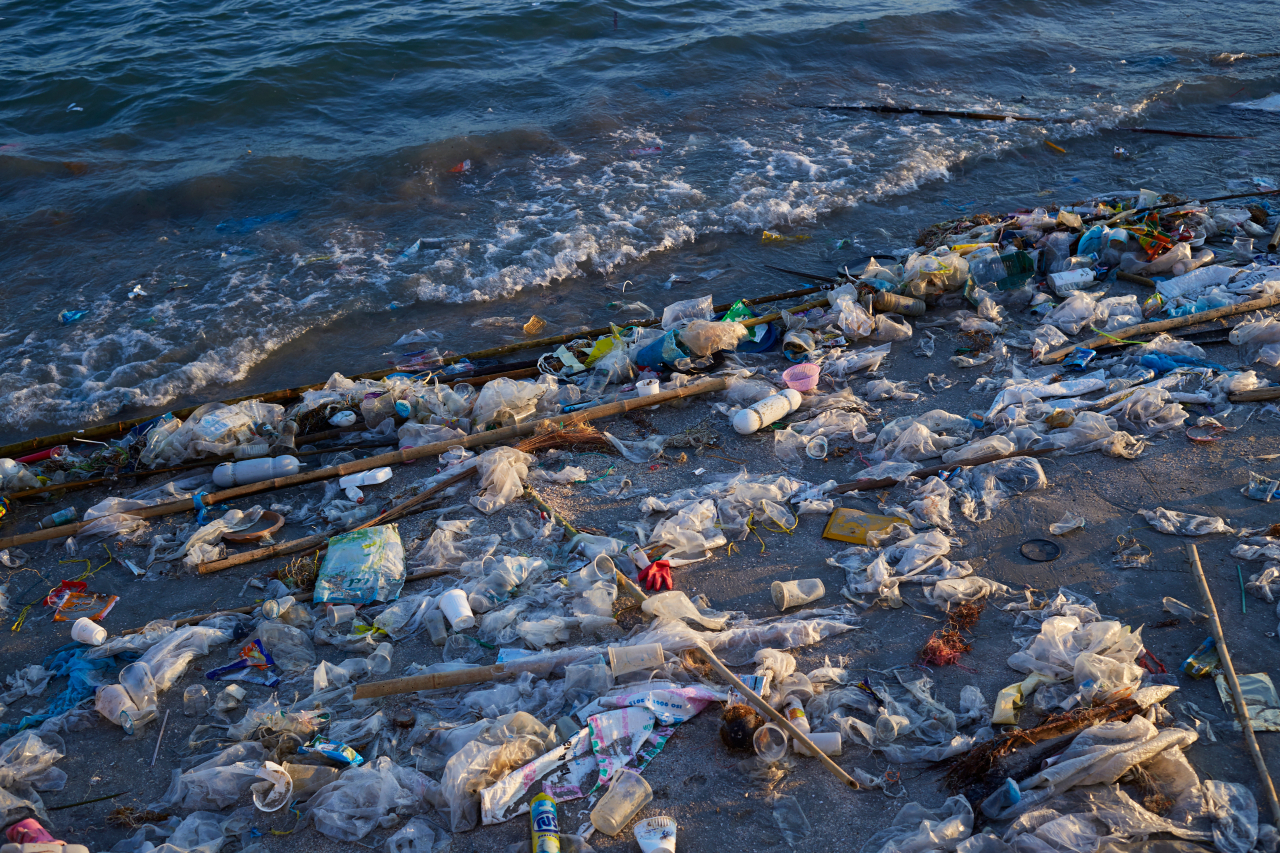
pixel 195 701
pixel 794 711
pixel 248 471
pixel 1069 280
pixel 1003 798
pixel 352 517
pixel 627 794
pixel 352 482
pixel 545 826
pixel 253 450
pixel 764 412
pixel 990 268
pixel 59 518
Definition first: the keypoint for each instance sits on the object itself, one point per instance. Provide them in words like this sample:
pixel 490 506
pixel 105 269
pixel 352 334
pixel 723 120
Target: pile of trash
pixel 546 693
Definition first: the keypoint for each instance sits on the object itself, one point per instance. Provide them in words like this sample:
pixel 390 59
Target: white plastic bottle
pixel 253 471
pixel 764 412
pixel 352 482
pixel 794 711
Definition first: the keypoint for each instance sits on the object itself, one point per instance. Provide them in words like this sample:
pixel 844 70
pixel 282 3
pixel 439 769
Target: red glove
pixel 656 575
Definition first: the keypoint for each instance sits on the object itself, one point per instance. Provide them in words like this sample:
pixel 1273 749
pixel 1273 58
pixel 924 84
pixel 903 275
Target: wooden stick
pixel 432 681
pixel 1274 242
pixel 397 457
pixel 306 543
pixel 781 721
pixel 920 473
pixel 114 430
pixel 1135 279
pixel 1161 326
pixel 1242 712
pixel 623 581
pixel 302 597
pixel 1255 395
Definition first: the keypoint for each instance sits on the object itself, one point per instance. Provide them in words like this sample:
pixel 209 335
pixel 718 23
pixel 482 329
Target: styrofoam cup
pixel 86 631
pixel 456 609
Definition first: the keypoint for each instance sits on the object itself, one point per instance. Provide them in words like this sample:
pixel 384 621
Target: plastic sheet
pixel 1183 524
pixel 502 471
pixel 917 829
pixel 362 566
pixel 216 782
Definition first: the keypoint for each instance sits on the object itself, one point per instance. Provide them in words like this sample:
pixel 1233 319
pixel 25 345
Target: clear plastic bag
pixel 503 471
pixel 1183 524
pixel 704 337
pixel 419 835
pixel 354 805
pixel 504 402
pixel 216 782
pixel 1076 312
pixel 689 309
pixel 290 647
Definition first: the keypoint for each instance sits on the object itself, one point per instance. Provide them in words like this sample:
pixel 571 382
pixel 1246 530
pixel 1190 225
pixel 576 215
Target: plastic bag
pixel 889 327
pixel 290 647
pixel 503 471
pixel 884 389
pixel 1183 524
pixel 350 808
pixel 689 309
pixel 419 835
pixel 504 402
pixel 916 828
pixel 363 566
pixel 994 445
pixel 1076 312
pixel 704 337
pixel 1070 521
pixel 215 783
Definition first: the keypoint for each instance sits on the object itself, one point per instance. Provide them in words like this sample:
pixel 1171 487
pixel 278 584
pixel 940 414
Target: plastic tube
pixel 764 412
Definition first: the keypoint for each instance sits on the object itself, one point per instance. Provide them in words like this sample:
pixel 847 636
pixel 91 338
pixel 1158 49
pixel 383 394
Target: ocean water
pixel 242 196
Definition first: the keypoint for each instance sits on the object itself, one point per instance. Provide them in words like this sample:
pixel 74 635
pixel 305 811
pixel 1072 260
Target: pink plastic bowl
pixel 802 377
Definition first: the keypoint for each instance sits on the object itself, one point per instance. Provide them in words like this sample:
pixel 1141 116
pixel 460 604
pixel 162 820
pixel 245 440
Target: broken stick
pixel 1115 339
pixel 1242 711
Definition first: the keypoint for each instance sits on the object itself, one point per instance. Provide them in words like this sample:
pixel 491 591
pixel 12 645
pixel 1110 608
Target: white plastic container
pixel 647 388
pixel 352 482
pixel 1070 280
pixel 624 659
pixel 87 631
pixel 456 609
pixel 764 412
pixel 248 471
pixel 656 835
pixel 795 593
pixel 828 743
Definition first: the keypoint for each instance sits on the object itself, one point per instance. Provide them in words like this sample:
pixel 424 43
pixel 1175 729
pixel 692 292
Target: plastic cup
pixel 624 659
pixel 628 793
pixel 113 700
pixel 828 743
pixel 195 701
pixel 802 377
pixel 272 794
pixel 135 721
pixel 456 609
pixel 770 742
pixel 230 698
pixel 275 608
pixel 795 593
pixel 380 660
pixel 86 631
pixel 435 626
pixel 1243 248
pixel 816 448
pixel 648 387
pixel 340 613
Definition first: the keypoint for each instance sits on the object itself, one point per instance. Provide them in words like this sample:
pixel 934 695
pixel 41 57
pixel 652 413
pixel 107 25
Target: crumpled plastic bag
pixel 1183 524
pixel 687 310
pixel 26 767
pixel 350 808
pixel 505 402
pixel 215 783
pixel 1147 411
pixel 918 829
pixel 1075 312
pixel 503 471
pixel 704 337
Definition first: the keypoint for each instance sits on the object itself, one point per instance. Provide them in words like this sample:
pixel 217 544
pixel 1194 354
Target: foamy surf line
pixel 602 210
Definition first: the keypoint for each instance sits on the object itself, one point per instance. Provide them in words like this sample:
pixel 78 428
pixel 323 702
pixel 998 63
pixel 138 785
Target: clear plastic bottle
pixel 990 268
pixel 436 627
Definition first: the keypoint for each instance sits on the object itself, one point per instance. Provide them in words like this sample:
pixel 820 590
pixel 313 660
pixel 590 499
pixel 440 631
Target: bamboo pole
pixel 781 721
pixel 303 597
pixel 306 543
pixel 397 457
pixel 117 429
pixel 625 582
pixel 1242 712
pixel 1161 326
pixel 1274 242
pixel 887 482
pixel 432 681
pixel 1135 279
